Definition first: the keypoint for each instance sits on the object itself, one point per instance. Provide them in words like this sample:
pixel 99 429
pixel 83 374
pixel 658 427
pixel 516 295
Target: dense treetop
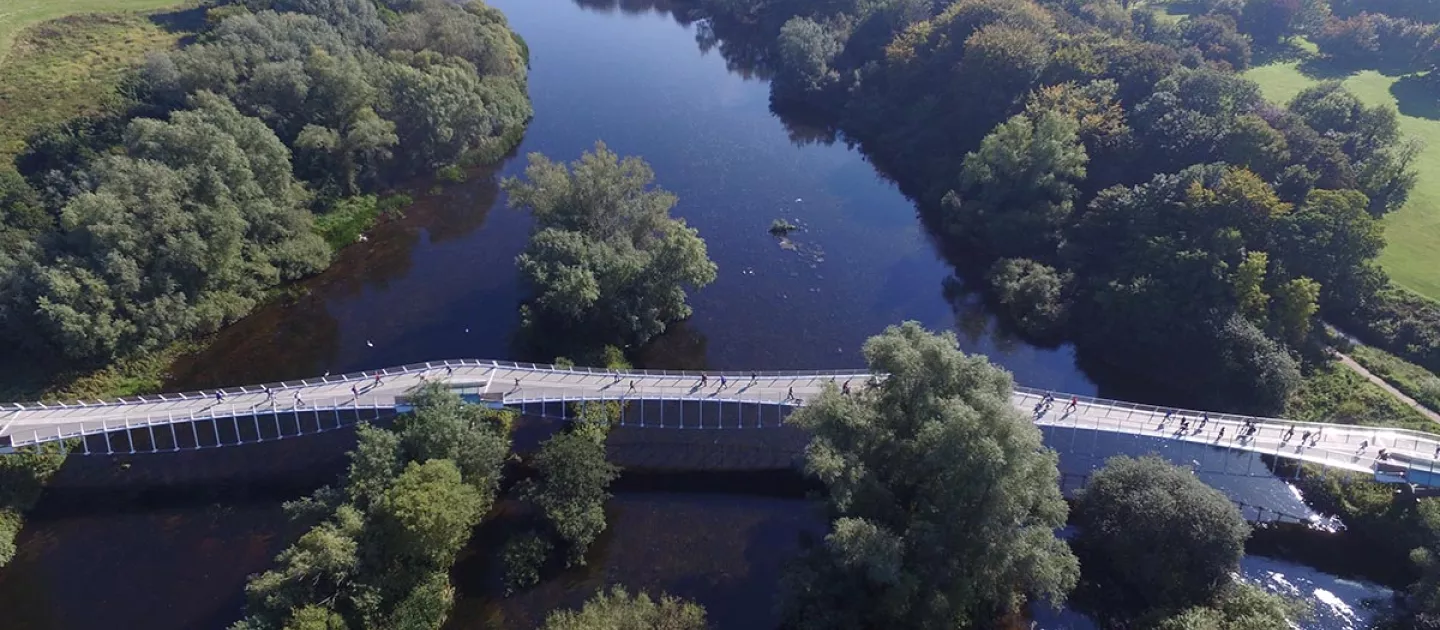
pixel 945 502
pixel 137 230
pixel 380 554
pixel 605 256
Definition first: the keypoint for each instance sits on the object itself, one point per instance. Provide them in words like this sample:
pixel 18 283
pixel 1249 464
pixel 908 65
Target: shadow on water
pixel 160 541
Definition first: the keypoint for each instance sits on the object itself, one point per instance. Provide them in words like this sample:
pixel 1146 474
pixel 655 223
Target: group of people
pixel 1043 407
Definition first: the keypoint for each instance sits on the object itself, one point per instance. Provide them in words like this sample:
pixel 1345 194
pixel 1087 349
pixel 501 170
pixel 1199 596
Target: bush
pixel 451 174
pixel 346 220
pixel 525 555
pixel 1154 540
pixel 1033 295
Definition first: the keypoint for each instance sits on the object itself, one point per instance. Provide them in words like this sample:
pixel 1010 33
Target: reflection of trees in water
pixel 631 7
pixel 681 347
pixel 281 341
pixel 297 337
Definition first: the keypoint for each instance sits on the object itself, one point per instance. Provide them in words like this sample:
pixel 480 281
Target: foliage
pixel 407 504
pixel 1091 139
pixel 1415 381
pixel 781 227
pixel 605 255
pixel 1335 393
pixel 570 488
pixel 346 220
pixel 1239 606
pixel 1033 293
pixel 177 210
pixel 619 610
pixel 181 234
pixel 944 499
pixel 22 479
pixel 524 556
pixel 1016 192
pixel 71 66
pixel 1154 540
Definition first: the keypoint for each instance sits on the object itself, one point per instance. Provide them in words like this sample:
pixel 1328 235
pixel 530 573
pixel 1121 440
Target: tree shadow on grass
pixel 1416 96
pixel 1282 52
pixel 1327 69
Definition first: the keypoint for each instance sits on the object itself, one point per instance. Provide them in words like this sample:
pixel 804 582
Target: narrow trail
pixel 1383 384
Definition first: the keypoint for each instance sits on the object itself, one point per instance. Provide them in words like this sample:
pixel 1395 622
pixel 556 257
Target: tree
pixel 1332 238
pixel 806 52
pixel 1016 192
pixel 426 515
pixel 618 610
pixel 945 501
pixel 1033 293
pixel 315 618
pixel 1296 302
pixel 605 254
pixel 570 489
pixel 1239 606
pixel 1154 540
pixel 1268 21
pixel 183 233
pixel 318 567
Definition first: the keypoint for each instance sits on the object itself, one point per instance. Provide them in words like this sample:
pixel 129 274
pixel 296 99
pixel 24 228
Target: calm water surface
pixel 441 283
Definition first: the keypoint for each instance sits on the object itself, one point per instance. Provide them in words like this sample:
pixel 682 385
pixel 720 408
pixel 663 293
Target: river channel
pixel 441 283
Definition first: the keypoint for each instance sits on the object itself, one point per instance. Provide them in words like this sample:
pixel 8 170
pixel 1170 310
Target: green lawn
pixel 1412 234
pixel 15 15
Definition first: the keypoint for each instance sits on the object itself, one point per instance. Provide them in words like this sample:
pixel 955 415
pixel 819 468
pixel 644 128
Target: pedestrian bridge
pixel 655 399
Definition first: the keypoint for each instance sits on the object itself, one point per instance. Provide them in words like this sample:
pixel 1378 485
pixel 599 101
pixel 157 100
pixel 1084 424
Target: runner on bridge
pixel 632 386
pixel 1074 403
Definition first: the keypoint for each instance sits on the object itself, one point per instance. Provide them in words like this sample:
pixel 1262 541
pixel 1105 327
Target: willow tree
pixel 606 256
pixel 945 502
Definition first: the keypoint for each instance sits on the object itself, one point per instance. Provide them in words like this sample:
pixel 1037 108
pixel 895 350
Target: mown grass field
pixel 1412 234
pixel 55 70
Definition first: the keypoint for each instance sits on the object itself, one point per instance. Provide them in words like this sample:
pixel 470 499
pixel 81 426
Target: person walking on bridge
pixel 723 381
pixel 219 397
pixel 704 380
pixel 377 380
pixel 1074 404
pixel 790 394
pixel 355 391
pixel 632 387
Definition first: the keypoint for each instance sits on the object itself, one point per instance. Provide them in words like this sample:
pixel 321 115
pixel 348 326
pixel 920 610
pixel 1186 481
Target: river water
pixel 441 283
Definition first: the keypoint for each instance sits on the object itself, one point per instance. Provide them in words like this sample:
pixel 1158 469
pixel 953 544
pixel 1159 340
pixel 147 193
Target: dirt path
pixel 1360 369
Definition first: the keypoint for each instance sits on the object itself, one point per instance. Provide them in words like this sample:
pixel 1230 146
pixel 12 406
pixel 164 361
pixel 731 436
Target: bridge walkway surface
pixel 663 400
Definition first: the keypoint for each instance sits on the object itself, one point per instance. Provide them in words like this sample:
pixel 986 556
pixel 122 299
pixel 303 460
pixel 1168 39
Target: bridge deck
pixel 1337 446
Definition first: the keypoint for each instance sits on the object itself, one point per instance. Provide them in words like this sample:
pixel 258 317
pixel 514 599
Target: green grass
pixel 1411 256
pixel 17 15
pixel 70 67
pixel 1415 381
pixel 1335 393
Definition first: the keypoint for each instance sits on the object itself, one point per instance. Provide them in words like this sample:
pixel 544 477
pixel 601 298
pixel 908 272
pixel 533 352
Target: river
pixel 441 283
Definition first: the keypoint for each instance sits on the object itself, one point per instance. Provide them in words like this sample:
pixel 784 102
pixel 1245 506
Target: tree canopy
pixel 380 555
pixel 1153 540
pixel 605 255
pixel 945 502
pixel 173 218
pixel 617 609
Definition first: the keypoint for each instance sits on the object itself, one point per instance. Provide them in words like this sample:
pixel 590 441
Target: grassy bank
pixel 70 66
pixel 16 15
pixel 1415 381
pixel 1410 255
pixel 1334 393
